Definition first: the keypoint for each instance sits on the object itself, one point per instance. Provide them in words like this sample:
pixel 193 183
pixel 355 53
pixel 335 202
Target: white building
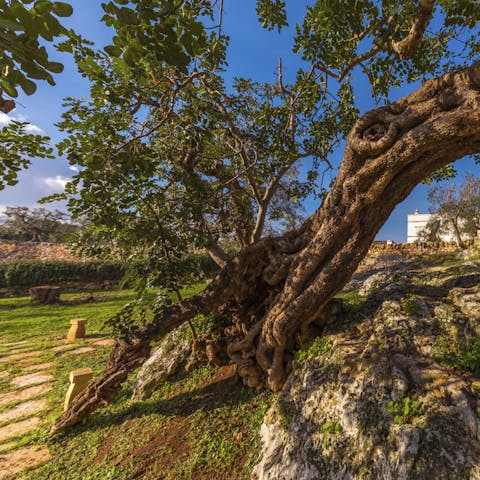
pixel 417 222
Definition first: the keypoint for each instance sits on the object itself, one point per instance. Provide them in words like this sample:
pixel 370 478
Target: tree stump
pixel 45 294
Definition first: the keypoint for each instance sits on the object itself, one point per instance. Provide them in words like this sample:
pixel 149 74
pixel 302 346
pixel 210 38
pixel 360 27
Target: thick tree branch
pixel 407 47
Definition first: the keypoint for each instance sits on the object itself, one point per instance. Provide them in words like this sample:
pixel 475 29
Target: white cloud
pixel 56 183
pixel 30 128
pixel 4 119
pixel 74 168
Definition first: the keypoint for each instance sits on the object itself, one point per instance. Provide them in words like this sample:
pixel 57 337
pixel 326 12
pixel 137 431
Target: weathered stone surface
pixel 77 329
pixel 18 428
pixel 81 351
pixel 164 361
pixel 24 394
pixel 39 366
pixel 78 382
pixel 14 462
pixel 20 356
pixel 62 348
pixel 352 414
pixel 107 342
pixel 22 409
pixel 45 294
pixel 13 344
pixel 467 300
pixel 30 379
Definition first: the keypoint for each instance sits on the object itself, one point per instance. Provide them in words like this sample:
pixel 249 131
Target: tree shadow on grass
pixel 226 392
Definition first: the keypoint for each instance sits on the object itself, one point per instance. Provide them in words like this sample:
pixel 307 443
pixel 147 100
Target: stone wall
pixel 11 250
pixel 419 248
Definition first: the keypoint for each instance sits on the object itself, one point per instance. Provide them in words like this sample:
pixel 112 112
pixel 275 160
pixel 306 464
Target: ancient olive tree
pixel 275 288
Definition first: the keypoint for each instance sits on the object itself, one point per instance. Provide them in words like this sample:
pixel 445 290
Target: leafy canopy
pixel 171 158
pixel 23 58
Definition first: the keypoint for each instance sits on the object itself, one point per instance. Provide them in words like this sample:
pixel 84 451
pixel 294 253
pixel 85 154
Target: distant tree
pixel 37 225
pixel 454 211
pixel 469 198
pixel 446 207
pixel 431 232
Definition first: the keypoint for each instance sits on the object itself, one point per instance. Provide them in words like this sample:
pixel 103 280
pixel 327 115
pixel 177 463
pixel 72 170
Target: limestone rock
pixel 163 362
pixel 467 300
pixel 378 405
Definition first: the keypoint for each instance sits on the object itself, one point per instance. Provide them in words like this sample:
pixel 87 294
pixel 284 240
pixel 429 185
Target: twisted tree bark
pixel 277 287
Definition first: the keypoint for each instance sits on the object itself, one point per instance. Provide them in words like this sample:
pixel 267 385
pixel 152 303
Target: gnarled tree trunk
pixel 277 287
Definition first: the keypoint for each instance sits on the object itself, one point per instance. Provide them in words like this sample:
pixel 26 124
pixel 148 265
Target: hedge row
pixel 28 273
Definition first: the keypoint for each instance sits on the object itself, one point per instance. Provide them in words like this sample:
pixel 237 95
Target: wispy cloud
pixel 74 168
pixel 56 183
pixel 30 128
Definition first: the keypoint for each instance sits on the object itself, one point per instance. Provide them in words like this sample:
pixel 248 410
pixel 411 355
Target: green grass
pixel 215 422
pixel 449 259
pixel 460 355
pixel 352 301
pixel 317 348
pixel 404 410
pixel 21 319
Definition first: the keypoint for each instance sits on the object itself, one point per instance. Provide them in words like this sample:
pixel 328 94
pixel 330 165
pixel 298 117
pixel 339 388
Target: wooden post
pixel 78 381
pixel 77 329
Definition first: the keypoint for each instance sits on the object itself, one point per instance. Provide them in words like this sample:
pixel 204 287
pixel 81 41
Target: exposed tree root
pixel 277 287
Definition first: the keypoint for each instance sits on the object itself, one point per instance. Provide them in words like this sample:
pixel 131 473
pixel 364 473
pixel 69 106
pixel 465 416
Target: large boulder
pixel 379 405
pixel 164 361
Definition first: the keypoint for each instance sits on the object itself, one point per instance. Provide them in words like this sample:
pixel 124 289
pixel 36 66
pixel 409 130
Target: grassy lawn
pixel 202 424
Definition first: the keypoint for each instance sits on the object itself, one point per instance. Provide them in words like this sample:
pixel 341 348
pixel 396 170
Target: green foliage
pixel 353 302
pixel 329 428
pixel 36 224
pixel 271 14
pixel 461 355
pixel 17 149
pixel 317 348
pixel 411 306
pixel 404 410
pixel 28 273
pixel 23 58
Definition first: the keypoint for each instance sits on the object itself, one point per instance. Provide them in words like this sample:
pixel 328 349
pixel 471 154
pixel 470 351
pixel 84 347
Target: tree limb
pixel 407 47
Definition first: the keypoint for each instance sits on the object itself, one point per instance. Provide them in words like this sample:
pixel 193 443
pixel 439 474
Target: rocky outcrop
pixel 164 361
pixel 380 404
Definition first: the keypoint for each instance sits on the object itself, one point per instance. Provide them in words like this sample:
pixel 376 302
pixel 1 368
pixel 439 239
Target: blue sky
pixel 253 52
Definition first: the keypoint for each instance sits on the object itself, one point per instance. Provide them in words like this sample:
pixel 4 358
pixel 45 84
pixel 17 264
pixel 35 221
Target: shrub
pixel 28 273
